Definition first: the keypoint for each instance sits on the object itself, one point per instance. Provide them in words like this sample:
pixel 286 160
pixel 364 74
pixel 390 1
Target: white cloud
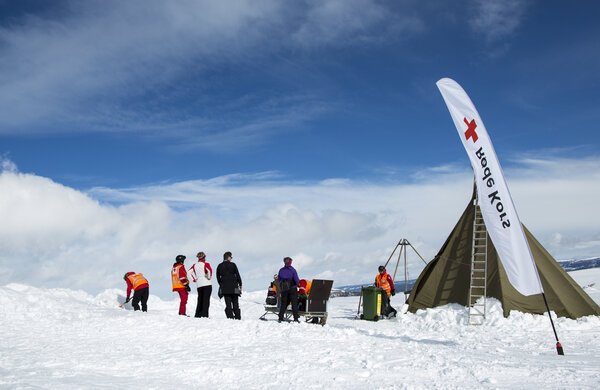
pixel 53 235
pixel 148 66
pixel 497 19
pixel 6 165
pixel 343 22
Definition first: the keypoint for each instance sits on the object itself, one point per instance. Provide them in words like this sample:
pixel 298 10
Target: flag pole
pixel 559 348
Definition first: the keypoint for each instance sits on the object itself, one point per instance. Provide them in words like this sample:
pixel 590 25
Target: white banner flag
pixel 497 207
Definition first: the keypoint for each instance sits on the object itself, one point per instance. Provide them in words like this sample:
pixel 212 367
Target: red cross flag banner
pixel 499 213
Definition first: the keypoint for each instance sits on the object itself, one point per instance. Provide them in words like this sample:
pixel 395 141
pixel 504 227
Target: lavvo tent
pixel 447 278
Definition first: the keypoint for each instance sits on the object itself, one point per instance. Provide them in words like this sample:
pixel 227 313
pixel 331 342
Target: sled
pixel 315 311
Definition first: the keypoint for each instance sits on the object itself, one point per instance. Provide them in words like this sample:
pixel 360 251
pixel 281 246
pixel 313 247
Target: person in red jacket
pixel 384 281
pixel 180 283
pixel 139 284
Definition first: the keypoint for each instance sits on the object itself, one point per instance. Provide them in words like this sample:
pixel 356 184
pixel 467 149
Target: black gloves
pixel 187 288
pixel 393 292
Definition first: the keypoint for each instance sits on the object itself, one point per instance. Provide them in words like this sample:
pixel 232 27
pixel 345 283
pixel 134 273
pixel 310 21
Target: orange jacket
pixel 384 281
pixel 179 277
pixel 135 282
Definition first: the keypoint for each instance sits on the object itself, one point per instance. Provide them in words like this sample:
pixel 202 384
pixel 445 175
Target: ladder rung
pixel 477 277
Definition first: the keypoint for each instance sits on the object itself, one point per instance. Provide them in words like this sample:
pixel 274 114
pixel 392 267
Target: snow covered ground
pixel 60 338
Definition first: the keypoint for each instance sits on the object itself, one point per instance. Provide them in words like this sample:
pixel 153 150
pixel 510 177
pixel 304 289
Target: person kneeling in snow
pixel 303 291
pixel 139 284
pixel 384 281
pixel 180 283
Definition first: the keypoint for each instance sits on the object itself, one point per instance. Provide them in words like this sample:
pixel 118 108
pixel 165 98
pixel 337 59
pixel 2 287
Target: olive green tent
pixel 446 279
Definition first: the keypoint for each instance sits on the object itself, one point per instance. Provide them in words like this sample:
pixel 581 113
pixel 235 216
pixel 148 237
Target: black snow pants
pixel 203 301
pixel 288 296
pixel 140 295
pixel 232 306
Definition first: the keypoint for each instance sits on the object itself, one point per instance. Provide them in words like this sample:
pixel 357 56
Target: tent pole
pixel 398 261
pixel 559 348
pixel 405 275
pixel 394 251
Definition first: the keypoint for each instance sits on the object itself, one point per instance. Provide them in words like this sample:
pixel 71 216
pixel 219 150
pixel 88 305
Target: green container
pixel 371 297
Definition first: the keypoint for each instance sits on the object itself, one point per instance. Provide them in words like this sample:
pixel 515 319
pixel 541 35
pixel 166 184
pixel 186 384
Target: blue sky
pixel 102 93
pixel 131 132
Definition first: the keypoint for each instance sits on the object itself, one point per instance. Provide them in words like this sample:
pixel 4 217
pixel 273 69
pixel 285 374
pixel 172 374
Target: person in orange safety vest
pixel 180 283
pixel 139 284
pixel 384 281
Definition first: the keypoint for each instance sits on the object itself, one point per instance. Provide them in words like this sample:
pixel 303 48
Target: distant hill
pixel 577 264
pixel 568 265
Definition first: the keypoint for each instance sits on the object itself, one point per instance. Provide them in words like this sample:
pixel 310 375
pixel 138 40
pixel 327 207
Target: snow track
pixel 59 338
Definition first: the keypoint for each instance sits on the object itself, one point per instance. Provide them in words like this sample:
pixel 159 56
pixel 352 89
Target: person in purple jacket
pixel 288 282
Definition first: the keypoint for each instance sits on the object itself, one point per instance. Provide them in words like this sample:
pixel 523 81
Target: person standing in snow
pixel 201 274
pixel 230 286
pixel 180 283
pixel 288 282
pixel 140 286
pixel 384 281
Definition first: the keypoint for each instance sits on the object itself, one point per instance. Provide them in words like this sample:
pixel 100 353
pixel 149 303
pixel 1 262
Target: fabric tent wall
pixel 446 278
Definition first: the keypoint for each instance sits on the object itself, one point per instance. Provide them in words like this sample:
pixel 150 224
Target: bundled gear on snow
pixel 272 292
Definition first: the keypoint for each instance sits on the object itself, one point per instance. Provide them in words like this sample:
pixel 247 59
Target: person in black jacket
pixel 230 286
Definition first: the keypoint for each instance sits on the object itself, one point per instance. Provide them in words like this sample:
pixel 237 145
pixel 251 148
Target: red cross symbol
pixel 470 133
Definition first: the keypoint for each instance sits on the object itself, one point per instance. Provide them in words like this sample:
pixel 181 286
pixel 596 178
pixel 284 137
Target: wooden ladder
pixel 478 287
